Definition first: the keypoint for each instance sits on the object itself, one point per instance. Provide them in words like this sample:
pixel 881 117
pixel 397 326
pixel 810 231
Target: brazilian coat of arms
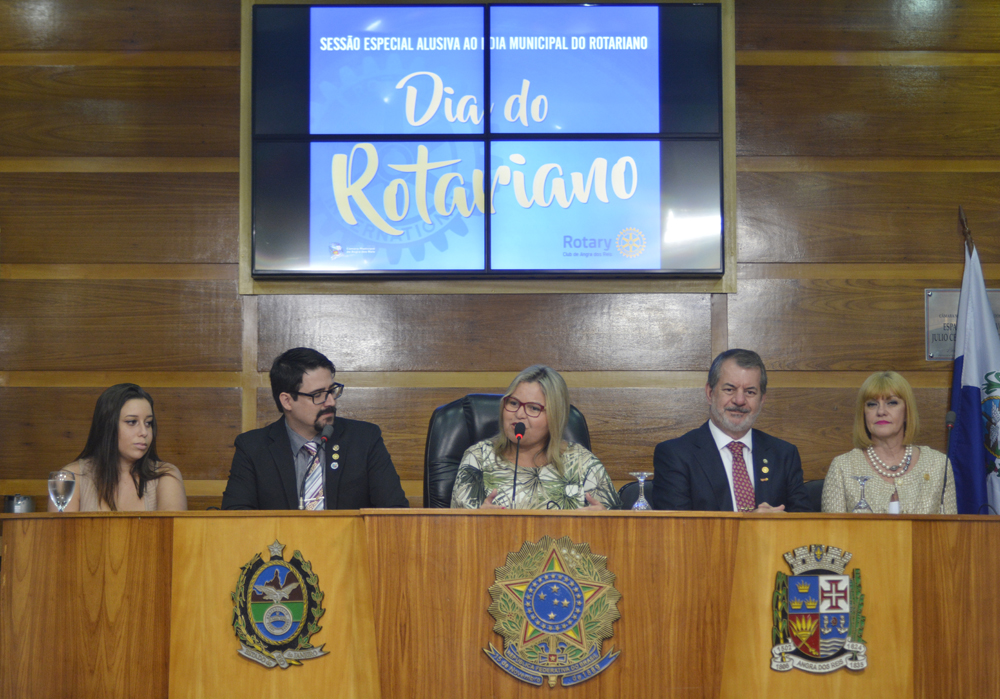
pixel 276 609
pixel 817 613
pixel 554 603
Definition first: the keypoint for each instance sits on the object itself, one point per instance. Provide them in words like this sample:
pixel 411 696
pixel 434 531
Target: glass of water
pixel 862 505
pixel 641 503
pixel 61 487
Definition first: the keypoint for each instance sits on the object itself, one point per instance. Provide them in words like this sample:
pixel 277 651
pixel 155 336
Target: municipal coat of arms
pixel 817 613
pixel 554 603
pixel 276 609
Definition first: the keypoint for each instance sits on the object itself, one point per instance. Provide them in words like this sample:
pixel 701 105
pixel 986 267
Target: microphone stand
pixel 949 423
pixel 519 430
pixel 517 453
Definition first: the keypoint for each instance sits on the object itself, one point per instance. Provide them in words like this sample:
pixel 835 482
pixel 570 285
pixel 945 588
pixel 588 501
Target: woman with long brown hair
pixel 119 468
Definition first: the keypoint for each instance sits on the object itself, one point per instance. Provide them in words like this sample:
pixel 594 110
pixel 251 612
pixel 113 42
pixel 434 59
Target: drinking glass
pixel 642 503
pixel 862 505
pixel 61 487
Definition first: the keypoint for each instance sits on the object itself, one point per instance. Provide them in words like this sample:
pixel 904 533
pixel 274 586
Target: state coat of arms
pixel 277 607
pixel 554 603
pixel 817 613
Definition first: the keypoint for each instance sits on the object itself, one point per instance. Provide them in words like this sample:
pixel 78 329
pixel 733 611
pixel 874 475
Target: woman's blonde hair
pixel 556 410
pixel 883 384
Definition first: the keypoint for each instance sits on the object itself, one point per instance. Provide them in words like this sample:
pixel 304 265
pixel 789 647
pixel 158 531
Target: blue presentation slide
pixel 588 205
pixel 396 70
pixel 397 206
pixel 574 69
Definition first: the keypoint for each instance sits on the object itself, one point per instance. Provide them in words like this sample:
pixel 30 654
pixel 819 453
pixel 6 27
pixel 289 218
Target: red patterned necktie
pixel 745 498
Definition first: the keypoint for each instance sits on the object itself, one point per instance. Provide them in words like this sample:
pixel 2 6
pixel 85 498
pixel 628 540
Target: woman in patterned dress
pixel 552 473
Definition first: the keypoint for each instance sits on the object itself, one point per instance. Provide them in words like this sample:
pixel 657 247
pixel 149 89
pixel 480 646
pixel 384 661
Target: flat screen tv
pixel 487 140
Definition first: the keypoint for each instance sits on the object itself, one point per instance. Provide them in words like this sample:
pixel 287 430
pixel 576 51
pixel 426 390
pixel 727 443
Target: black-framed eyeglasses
pixel 320 397
pixel 512 405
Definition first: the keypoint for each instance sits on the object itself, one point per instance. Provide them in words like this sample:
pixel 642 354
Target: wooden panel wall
pixel 119 142
pixel 861 127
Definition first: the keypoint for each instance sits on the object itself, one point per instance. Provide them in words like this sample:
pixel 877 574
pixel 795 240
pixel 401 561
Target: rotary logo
pixel 631 242
pixel 554 604
pixel 817 613
pixel 277 605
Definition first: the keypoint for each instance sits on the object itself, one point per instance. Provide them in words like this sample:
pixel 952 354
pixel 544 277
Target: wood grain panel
pixel 106 272
pixel 130 59
pixel 862 325
pixel 955 602
pixel 119 325
pixel 201 611
pixel 120 25
pixel 865 58
pixel 948 274
pixel 625 424
pixel 91 218
pixel 796 164
pixel 62 111
pixel 819 421
pixel 571 332
pixel 867 112
pixel 420 611
pixel 90 594
pixel 43 429
pixel 881 550
pixel 858 217
pixel 100 164
pixel 860 25
pixel 205 502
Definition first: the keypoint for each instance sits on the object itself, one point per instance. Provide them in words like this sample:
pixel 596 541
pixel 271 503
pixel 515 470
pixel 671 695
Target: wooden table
pixel 125 605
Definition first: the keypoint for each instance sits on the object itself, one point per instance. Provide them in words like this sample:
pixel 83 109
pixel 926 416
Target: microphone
pixel 949 422
pixel 519 430
pixel 325 435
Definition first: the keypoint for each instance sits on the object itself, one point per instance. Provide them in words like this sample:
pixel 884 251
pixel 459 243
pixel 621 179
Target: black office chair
pixel 457 426
pixel 815 491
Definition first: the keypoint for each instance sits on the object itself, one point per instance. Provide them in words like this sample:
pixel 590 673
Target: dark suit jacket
pixel 690 474
pixel 262 476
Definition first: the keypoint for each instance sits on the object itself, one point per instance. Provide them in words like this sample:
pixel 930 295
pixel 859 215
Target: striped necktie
pixel 312 489
pixel 746 500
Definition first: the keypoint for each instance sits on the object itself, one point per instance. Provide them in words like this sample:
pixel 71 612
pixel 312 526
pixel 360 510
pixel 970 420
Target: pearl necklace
pixel 891 471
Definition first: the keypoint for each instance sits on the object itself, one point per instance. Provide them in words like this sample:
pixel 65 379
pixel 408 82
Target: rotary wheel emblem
pixel 631 242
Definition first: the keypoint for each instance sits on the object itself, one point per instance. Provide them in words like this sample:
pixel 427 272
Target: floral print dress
pixel 482 471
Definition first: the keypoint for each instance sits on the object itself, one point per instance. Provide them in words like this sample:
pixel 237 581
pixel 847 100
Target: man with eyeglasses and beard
pixel 725 465
pixel 310 459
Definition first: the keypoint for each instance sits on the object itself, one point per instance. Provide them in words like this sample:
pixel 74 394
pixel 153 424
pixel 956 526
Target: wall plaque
pixel 940 317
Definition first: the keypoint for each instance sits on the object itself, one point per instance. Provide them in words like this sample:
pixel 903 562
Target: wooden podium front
pixel 139 605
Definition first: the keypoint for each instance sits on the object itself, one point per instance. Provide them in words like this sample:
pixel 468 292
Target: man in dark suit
pixel 725 465
pixel 287 466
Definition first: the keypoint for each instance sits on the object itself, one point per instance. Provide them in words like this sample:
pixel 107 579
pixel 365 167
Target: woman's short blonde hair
pixel 883 384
